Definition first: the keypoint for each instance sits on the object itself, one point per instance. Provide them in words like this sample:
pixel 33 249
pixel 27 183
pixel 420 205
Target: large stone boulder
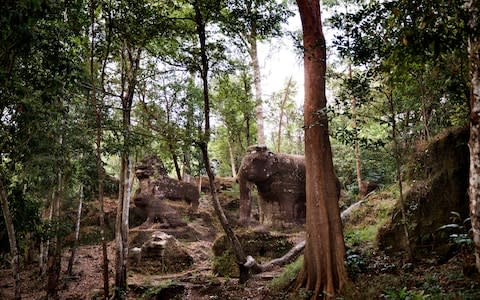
pixel 438 183
pixel 159 253
pixel 262 245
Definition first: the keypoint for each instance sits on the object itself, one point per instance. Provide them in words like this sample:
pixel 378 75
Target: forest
pixel 142 155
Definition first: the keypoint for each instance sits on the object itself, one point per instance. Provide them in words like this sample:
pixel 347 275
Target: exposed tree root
pixel 291 255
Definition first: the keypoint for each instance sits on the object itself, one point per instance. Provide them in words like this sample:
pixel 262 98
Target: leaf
pixel 456 226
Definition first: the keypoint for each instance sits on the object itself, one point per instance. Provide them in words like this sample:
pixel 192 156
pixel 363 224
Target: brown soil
pixel 374 275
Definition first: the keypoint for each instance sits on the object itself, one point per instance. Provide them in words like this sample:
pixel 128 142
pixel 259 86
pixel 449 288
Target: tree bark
pixel 77 232
pixel 291 255
pixel 120 234
pixel 175 159
pixel 232 159
pixel 121 225
pixel 286 95
pixel 323 271
pixel 55 251
pixel 398 165
pixel 12 239
pixel 257 82
pixel 130 66
pixel 237 247
pixel 97 106
pixel 45 244
pixel 474 141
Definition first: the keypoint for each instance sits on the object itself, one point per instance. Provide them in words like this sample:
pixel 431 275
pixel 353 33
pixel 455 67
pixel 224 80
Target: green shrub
pixel 289 274
pixel 225 265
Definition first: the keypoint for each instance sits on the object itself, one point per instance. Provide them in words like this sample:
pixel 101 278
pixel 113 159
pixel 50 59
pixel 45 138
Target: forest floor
pixel 373 274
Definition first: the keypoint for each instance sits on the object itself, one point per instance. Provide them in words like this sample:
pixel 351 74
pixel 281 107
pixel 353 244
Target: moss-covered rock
pixel 261 245
pixel 160 253
pixel 438 183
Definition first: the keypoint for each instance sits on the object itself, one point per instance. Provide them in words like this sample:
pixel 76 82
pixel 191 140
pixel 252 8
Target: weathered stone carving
pixel 155 186
pixel 161 253
pixel 280 182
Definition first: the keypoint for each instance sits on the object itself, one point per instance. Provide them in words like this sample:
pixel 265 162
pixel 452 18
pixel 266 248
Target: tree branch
pixel 294 252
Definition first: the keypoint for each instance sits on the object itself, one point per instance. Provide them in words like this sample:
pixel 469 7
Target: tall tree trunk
pixel 474 142
pixel 175 160
pixel 398 165
pixel 286 95
pixel 77 232
pixel 12 239
pixel 232 159
pixel 246 115
pixel 121 228
pixel 356 145
pixel 121 225
pixel 100 184
pixel 130 66
pixel 237 247
pixel 55 251
pixel 323 271
pixel 120 234
pixel 257 82
pixel 97 106
pixel 45 244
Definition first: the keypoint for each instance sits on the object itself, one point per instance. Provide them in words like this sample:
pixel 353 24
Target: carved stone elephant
pixel 280 182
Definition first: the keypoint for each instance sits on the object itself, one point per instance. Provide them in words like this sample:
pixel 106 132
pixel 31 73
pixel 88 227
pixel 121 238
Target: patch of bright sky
pixel 279 59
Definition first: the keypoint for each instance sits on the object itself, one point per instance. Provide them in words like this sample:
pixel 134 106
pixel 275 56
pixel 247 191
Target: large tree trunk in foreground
pixel 474 142
pixel 323 271
pixel 11 239
pixel 121 225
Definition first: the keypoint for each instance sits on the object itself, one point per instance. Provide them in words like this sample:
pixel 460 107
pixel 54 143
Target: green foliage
pixel 234 105
pixel 284 280
pixel 286 115
pixel 153 291
pixel 355 263
pixel 404 294
pixel 418 55
pixel 260 19
pixel 459 231
pixel 359 236
pixel 225 265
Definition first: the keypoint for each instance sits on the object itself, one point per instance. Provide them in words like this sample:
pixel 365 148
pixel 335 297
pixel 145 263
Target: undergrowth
pixel 282 282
